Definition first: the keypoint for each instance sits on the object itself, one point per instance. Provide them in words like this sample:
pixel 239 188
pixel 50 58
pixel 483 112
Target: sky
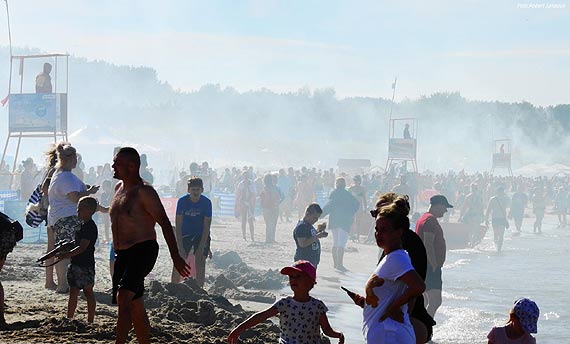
pixel 487 50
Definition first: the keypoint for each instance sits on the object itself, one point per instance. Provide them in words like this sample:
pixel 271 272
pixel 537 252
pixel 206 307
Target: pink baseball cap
pixel 301 266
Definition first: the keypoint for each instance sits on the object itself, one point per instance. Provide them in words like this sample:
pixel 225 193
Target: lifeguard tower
pixel 502 155
pixel 34 113
pixel 402 147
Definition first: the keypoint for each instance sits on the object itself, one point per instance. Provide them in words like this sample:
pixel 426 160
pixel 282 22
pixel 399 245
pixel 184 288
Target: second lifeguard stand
pixel 35 113
pixel 402 147
pixel 502 155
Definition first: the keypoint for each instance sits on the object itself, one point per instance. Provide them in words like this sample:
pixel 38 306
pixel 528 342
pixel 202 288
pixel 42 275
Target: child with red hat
pixel 300 316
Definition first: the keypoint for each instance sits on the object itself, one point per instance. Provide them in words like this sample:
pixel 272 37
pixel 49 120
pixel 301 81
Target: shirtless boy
pixel 135 209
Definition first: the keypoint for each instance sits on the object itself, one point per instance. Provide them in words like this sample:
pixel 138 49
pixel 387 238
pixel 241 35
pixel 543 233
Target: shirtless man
pixel 135 209
pixel 472 214
pixel 497 210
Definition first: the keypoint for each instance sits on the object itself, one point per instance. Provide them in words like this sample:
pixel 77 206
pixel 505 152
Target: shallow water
pixel 480 286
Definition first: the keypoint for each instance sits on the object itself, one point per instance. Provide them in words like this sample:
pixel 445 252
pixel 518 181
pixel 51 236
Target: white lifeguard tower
pixel 502 155
pixel 402 147
pixel 34 114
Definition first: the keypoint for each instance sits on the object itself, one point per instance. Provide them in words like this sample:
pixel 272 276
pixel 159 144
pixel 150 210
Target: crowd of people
pixel 288 191
pixel 480 198
pixel 393 306
pixel 401 296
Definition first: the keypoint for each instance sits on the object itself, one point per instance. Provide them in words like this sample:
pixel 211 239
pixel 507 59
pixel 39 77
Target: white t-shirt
pixel 62 183
pixel 392 267
pixel 300 321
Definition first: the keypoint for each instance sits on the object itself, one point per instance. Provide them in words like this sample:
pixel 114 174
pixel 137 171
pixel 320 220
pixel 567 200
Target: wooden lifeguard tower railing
pixel 502 155
pixel 36 115
pixel 403 147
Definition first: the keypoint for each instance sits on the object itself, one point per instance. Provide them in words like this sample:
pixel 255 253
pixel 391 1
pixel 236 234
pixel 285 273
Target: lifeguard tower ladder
pixel 403 147
pixel 502 155
pixel 36 115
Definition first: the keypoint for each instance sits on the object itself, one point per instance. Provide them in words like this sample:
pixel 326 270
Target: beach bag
pixel 36 210
pixel 7 224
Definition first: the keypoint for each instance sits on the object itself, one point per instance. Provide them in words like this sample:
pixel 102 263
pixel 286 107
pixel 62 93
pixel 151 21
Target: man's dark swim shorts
pixel 132 266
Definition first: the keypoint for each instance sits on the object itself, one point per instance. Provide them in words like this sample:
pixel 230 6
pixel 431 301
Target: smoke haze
pixel 112 105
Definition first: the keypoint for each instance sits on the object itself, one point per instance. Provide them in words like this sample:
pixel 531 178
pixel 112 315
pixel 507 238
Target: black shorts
pixel 7 242
pixel 190 244
pixel 433 278
pixel 132 266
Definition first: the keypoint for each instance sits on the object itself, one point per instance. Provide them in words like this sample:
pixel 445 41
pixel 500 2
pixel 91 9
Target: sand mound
pixel 186 312
pixel 227 288
pixel 224 260
pixel 178 313
pixel 241 275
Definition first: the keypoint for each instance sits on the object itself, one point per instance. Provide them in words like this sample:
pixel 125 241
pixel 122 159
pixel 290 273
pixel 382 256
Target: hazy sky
pixel 490 50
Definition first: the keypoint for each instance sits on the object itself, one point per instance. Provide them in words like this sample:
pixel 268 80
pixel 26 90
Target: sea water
pixel 480 286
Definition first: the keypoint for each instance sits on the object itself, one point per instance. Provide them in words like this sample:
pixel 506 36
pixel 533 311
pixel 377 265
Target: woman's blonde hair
pixel 64 152
pixel 395 208
pixel 385 199
pixel 51 156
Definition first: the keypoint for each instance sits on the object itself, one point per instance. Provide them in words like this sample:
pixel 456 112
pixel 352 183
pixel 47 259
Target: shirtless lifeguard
pixel 135 209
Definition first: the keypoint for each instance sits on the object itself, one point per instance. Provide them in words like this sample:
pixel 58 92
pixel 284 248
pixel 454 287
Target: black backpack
pixel 9 224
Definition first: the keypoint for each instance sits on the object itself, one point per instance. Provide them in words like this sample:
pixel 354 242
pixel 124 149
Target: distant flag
pixel 394 83
pixel 5 100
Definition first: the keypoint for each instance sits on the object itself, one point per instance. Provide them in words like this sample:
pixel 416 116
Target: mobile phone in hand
pixel 351 294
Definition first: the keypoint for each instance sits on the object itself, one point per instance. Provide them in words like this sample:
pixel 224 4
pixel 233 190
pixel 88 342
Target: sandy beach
pixel 476 296
pixel 178 313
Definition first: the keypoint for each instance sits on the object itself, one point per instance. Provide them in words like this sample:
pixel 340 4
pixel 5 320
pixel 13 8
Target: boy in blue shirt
pixel 193 221
pixel 307 237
